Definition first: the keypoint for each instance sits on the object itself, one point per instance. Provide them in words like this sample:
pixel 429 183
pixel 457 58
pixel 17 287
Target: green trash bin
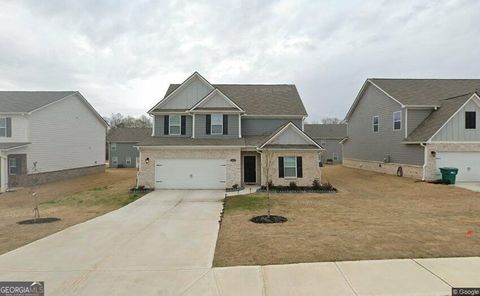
pixel 449 175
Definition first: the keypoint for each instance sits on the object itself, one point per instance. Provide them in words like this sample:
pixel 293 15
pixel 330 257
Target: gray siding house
pixel 213 136
pixel 412 127
pixel 122 152
pixel 329 136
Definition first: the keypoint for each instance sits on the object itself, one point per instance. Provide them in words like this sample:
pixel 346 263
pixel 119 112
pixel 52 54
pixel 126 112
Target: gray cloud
pixel 123 54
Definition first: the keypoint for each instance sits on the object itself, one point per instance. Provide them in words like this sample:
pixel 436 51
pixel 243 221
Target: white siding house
pixel 53 134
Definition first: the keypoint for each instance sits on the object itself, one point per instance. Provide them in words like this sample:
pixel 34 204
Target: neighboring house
pixel 48 135
pixel 329 137
pixel 221 135
pixel 121 143
pixel 415 126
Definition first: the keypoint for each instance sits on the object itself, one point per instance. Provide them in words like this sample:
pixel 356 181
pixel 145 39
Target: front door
pixel 249 169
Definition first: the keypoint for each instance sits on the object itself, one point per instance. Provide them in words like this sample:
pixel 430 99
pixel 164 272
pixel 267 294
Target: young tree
pixel 267 164
pixel 33 186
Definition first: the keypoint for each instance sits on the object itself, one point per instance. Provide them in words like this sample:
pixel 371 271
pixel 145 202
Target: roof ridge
pixel 390 78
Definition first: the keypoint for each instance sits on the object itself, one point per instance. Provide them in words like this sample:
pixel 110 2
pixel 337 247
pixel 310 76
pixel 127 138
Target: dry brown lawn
pixel 73 201
pixel 373 216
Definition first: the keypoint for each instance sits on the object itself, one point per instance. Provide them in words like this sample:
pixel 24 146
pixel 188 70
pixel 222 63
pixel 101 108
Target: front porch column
pixel 3 174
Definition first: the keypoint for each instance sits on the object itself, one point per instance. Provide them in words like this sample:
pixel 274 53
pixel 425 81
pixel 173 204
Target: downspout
pixel 424 160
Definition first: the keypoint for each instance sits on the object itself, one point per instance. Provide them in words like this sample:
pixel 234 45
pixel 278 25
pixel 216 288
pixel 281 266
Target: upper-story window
pixel 175 124
pixel 3 127
pixel 375 123
pixel 217 124
pixel 397 120
pixel 470 120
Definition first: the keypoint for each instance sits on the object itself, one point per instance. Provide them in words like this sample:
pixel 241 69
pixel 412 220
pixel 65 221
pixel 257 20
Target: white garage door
pixel 190 173
pixel 468 164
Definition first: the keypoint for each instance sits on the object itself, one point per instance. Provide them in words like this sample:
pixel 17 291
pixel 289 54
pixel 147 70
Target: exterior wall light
pixel 147 160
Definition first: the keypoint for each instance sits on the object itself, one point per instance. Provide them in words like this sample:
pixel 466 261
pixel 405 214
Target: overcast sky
pixel 121 55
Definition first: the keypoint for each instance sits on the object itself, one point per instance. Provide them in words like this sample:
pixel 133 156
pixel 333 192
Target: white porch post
pixel 3 174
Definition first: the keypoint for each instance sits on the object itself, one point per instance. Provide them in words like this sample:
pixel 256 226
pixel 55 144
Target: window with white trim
pixel 290 166
pixel 128 160
pixel 174 124
pixel 216 124
pixel 3 127
pixel 397 120
pixel 114 146
pixel 12 166
pixel 375 123
pixel 114 160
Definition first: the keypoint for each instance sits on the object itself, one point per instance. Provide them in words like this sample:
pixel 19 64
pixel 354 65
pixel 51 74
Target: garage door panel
pixel 468 164
pixel 190 173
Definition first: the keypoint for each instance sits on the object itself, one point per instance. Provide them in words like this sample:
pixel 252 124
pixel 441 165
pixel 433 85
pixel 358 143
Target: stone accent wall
pixel 146 173
pixel 411 171
pixel 40 178
pixel 431 172
pixel 310 164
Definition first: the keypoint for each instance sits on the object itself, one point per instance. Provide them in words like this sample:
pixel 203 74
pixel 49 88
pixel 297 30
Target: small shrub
pixel 328 186
pixel 270 184
pixel 235 186
pixel 292 185
pixel 141 187
pixel 120 166
pixel 316 184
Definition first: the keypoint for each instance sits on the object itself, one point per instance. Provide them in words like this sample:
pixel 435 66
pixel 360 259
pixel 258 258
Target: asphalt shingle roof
pixel 436 119
pixel 326 131
pixel 426 91
pixel 27 101
pixel 132 135
pixel 261 99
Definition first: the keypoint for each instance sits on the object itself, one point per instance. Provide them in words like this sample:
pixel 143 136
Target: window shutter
pixel 299 167
pixel 281 173
pixel 183 123
pixel 208 125
pixel 225 124
pixel 9 127
pixel 166 124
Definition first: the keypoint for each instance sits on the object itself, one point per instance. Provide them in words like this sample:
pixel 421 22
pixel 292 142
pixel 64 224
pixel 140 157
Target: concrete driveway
pixel 159 245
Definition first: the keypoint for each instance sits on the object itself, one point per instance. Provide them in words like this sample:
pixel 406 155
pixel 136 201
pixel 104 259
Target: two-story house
pixel 413 127
pixel 121 145
pixel 209 136
pixel 48 135
pixel 330 137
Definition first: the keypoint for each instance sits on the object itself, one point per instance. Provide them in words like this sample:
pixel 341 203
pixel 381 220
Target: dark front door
pixel 249 169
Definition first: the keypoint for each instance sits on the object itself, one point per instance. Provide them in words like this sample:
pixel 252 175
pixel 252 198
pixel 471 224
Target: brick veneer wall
pixel 40 178
pixel 146 173
pixel 412 171
pixel 310 164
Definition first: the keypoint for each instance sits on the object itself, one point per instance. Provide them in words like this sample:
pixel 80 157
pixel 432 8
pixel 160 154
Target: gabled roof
pixel 28 101
pixel 326 131
pixel 210 95
pixel 128 135
pixel 437 119
pixel 260 99
pixel 309 142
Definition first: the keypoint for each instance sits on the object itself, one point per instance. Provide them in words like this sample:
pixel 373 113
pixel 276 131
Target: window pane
pixel 470 120
pixel 217 119
pixel 174 130
pixel 174 119
pixel 3 122
pixel 217 129
pixel 289 161
pixel 290 172
pixel 375 127
pixel 397 116
pixel 397 125
pixel 375 120
pixel 3 132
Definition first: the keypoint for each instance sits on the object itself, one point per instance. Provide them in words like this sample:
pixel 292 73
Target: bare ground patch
pixel 373 216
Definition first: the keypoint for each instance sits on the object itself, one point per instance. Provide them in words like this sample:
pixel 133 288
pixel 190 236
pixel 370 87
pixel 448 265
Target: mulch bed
pixel 266 219
pixel 39 221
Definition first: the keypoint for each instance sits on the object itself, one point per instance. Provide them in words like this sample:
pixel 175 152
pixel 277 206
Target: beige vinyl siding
pixel 65 135
pixel 122 152
pixel 364 144
pixel 19 129
pixel 331 146
pixel 415 117
pixel 187 97
pixel 455 130
pixel 265 126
